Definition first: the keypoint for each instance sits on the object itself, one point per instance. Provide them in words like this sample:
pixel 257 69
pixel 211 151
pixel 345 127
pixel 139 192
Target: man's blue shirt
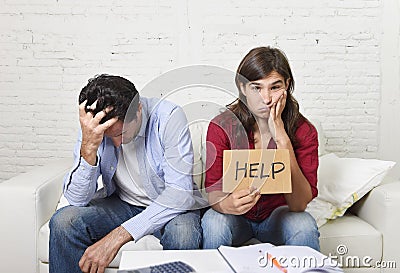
pixel 165 160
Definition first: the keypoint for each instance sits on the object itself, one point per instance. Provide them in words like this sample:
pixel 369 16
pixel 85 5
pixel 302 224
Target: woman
pixel 265 116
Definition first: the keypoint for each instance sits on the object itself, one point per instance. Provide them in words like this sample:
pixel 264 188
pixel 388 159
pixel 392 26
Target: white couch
pixel 27 202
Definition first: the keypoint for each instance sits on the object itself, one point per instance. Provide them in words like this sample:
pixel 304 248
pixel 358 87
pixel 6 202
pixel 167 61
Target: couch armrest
pixel 380 208
pixel 27 201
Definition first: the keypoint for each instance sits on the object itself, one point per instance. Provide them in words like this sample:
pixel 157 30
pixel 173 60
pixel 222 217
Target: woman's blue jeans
pixel 73 229
pixel 282 227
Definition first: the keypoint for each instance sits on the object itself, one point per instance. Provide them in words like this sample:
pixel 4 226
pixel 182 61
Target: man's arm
pixel 173 200
pixel 177 163
pixel 99 255
pixel 81 183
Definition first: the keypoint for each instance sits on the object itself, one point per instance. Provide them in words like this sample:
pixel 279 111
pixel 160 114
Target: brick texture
pixel 49 49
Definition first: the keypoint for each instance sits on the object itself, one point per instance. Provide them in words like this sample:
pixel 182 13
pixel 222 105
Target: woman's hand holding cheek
pixel 275 122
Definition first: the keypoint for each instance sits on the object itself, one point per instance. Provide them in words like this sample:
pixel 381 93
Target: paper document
pixel 265 258
pixel 277 259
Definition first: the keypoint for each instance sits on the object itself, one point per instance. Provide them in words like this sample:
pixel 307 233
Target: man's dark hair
pixel 110 91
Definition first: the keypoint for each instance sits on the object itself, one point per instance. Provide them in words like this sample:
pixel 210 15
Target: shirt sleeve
pixel 80 184
pixel 177 162
pixel 306 151
pixel 216 143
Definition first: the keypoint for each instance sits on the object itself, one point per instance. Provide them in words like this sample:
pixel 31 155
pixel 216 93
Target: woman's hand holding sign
pixel 237 203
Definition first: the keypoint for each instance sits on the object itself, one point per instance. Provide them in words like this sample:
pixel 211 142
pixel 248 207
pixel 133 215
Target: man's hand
pixel 92 131
pixel 99 255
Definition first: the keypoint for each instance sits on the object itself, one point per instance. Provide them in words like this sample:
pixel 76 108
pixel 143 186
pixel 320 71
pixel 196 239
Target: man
pixel 142 149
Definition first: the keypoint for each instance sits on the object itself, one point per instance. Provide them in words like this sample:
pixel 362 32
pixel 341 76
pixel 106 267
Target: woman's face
pixel 262 94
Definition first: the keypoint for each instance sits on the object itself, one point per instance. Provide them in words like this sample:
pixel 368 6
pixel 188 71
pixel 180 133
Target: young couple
pixel 148 185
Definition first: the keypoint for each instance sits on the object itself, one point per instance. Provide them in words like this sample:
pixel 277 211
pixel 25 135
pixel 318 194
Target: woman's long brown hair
pixel 256 65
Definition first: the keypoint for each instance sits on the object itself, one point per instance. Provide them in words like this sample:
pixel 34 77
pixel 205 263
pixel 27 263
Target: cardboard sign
pixel 265 169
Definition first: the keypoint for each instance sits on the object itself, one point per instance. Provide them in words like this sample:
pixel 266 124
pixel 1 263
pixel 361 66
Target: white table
pixel 203 261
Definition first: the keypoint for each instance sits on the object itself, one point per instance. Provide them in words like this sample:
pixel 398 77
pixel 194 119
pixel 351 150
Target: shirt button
pixel 112 168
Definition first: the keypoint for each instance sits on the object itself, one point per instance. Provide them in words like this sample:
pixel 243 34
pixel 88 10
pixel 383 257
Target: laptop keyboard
pixel 171 267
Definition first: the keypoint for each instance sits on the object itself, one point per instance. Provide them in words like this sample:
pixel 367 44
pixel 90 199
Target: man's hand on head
pixel 99 255
pixel 92 130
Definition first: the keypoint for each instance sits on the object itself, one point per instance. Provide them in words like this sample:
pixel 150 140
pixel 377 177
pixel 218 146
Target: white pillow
pixel 342 182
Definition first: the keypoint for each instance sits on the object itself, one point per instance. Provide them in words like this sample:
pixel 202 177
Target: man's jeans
pixel 73 229
pixel 282 227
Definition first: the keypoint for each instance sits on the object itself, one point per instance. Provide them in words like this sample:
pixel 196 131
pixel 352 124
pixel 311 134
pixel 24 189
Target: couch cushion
pixel 148 242
pixel 198 132
pixel 352 236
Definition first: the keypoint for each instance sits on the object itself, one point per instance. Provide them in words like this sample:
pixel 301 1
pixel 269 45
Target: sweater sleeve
pixel 306 151
pixel 217 142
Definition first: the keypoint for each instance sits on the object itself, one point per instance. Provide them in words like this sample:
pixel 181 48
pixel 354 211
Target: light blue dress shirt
pixel 165 160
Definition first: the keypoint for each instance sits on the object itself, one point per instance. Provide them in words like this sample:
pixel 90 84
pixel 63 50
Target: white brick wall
pixel 48 50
